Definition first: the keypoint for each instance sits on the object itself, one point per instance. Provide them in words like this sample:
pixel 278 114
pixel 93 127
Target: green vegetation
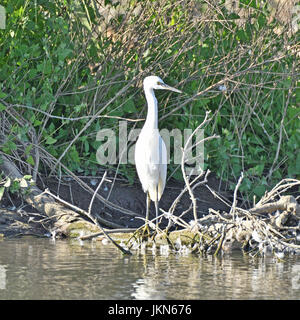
pixel 66 73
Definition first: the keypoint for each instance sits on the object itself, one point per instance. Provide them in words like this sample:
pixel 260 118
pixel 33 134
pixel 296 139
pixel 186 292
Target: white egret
pixel 150 149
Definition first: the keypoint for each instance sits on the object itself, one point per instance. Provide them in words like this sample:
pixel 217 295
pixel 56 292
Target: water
pixel 33 268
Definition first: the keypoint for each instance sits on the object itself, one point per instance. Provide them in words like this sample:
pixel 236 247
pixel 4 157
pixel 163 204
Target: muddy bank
pixel 17 217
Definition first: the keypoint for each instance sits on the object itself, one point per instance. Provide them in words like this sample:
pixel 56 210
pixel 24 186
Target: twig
pixel 95 221
pixel 97 234
pixel 96 191
pixel 51 116
pixel 81 211
pixel 186 180
pixel 232 210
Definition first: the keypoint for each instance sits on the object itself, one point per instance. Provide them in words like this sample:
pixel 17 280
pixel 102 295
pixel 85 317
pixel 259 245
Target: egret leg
pixel 145 232
pixel 156 211
pixel 147 207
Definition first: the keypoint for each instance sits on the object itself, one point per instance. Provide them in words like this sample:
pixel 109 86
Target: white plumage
pixel 150 149
pixel 151 162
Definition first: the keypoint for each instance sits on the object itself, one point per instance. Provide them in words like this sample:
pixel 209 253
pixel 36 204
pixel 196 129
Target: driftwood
pixel 285 203
pixel 271 227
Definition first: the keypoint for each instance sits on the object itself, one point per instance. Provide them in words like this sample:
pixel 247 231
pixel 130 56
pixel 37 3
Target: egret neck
pixel 152 115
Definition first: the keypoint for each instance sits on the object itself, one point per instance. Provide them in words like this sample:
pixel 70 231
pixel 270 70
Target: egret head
pixel 154 82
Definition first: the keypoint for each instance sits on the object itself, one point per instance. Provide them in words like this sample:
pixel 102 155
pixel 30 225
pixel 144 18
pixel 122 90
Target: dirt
pixel 130 197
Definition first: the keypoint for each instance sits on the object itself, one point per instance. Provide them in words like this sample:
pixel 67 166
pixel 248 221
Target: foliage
pixel 68 70
pixel 16 185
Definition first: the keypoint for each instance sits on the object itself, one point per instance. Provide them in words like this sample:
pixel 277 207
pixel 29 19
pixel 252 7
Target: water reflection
pixel 33 268
pixel 2 277
pixel 234 277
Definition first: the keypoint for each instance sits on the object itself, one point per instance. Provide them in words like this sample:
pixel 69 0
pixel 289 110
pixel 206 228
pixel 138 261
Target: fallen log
pixel 61 217
pixel 286 203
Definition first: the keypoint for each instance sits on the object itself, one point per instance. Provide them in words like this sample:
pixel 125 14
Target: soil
pixel 130 197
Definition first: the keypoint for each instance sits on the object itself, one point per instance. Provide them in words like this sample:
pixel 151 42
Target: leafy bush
pixel 70 68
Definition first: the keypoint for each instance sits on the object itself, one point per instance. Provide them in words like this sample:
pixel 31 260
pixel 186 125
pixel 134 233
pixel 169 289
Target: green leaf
pixel 50 140
pixel 259 190
pixel 86 146
pixel 74 155
pixel 2 107
pixel 37 123
pixel 10 146
pixel 257 170
pixel 129 106
pixel 63 52
pixel 15 186
pixel 2 95
pixel 28 149
pixel 30 160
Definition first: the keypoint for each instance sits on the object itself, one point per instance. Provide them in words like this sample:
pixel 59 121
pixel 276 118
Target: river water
pixel 37 268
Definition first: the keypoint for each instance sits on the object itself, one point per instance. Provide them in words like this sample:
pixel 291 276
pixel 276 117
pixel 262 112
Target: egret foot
pixel 145 234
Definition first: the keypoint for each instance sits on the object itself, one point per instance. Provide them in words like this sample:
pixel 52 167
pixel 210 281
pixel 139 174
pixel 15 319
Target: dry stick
pixel 175 202
pixel 97 234
pixel 102 199
pixel 96 191
pixel 215 194
pixel 183 191
pixel 81 211
pixel 212 211
pixel 186 180
pixel 220 241
pixel 232 210
pixel 37 158
pixel 51 116
pixel 285 203
pixel 278 189
pixel 95 220
pixel 177 220
pixel 23 122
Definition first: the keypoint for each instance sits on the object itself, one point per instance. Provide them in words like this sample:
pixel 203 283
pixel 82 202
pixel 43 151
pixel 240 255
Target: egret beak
pixel 167 87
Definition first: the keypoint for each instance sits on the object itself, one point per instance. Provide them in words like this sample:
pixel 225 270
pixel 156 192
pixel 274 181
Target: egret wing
pixel 151 163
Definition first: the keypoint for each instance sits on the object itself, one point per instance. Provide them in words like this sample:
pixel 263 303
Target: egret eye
pixel 159 83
